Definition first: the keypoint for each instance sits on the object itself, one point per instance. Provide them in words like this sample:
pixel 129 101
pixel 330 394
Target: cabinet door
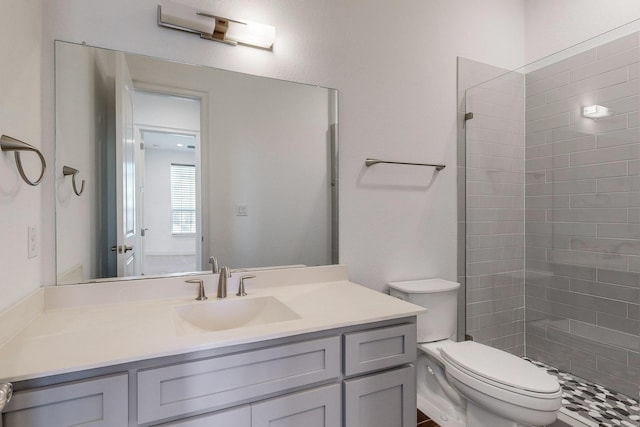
pixel 387 399
pixel 319 407
pixel 100 402
pixel 236 417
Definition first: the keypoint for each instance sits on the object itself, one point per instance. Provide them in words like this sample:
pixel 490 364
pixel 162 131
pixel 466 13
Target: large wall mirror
pixel 162 165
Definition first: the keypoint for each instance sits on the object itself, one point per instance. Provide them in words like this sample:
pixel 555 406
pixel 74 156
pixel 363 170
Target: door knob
pixel 116 249
pixel 127 248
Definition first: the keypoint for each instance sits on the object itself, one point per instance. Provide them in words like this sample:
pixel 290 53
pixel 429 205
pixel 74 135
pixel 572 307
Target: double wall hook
pixel 11 144
pixel 67 170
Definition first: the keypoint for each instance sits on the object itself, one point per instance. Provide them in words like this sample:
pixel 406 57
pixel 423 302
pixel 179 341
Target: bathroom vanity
pixel 343 359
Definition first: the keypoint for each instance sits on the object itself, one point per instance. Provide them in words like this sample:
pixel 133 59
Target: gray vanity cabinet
pixel 100 402
pixel 386 395
pixel 357 376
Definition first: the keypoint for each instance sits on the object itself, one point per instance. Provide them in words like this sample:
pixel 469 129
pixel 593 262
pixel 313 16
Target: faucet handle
pixel 241 292
pixel 201 296
pixel 214 265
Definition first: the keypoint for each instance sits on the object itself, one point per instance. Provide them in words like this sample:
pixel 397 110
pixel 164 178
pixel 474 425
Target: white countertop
pixel 80 327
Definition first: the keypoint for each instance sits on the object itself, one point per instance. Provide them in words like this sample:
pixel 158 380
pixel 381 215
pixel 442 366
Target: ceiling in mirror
pixel 182 163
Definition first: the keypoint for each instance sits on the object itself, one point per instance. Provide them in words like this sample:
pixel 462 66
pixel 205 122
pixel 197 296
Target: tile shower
pixel 552 212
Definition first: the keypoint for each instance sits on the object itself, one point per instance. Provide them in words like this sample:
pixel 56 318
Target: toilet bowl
pixel 468 384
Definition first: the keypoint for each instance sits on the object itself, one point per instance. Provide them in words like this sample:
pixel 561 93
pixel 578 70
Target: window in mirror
pixel 183 199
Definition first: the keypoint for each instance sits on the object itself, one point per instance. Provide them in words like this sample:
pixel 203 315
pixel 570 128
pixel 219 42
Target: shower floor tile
pixel 593 402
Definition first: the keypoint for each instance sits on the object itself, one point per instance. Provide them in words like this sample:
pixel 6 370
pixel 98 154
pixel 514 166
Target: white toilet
pixel 467 383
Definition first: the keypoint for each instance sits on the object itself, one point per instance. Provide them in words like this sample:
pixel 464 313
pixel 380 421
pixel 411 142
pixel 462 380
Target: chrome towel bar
pixel 68 170
pixel 11 144
pixel 371 162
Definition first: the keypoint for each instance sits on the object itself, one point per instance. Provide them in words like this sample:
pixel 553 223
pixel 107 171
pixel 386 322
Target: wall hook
pixel 11 144
pixel 67 170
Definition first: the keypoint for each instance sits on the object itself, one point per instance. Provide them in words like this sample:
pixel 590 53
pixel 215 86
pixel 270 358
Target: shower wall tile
pixel 588 85
pixel 602 155
pixel 610 124
pixel 634 71
pixel 623 324
pixel 606 336
pixel 495 213
pixel 582 273
pixel 616 46
pixel 625 278
pixel 619 61
pixel 598 349
pixel 615 92
pixel 633 311
pixel 564 65
pixel 605 170
pixel 613 185
pixel 610 215
pixel 620 137
pixel 614 292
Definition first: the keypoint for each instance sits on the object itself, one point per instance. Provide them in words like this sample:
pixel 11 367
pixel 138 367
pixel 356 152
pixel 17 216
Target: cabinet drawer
pixel 310 408
pixel 236 417
pixel 222 381
pixel 379 349
pixel 101 402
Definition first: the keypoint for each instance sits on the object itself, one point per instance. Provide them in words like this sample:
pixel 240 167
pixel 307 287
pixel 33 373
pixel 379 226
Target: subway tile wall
pixel 494 211
pixel 582 222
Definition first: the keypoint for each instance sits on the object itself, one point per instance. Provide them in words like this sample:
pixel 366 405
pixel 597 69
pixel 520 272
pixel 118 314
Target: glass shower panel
pixel 494 208
pixel 582 228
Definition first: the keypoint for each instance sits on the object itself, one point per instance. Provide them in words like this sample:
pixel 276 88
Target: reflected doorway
pixel 171 232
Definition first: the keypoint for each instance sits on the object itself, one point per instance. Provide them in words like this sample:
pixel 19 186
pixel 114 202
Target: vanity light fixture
pixel 216 28
pixel 596 112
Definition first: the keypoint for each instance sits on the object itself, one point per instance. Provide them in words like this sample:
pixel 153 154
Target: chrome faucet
pixel 225 274
pixel 201 296
pixel 214 265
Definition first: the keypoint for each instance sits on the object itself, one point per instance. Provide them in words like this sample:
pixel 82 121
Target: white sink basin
pixel 234 313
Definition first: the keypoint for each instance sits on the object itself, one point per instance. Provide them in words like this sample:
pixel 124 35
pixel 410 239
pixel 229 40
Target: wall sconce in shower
pixel 216 28
pixel 596 112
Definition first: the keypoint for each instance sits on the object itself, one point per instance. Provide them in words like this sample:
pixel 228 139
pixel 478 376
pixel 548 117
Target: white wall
pixel 395 66
pixel 76 250
pixel 553 25
pixel 20 100
pixel 393 62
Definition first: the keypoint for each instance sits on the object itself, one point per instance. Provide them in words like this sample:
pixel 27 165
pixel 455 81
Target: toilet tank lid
pixel 424 286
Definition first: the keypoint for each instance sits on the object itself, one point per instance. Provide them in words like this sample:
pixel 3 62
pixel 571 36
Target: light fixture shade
pixel 251 33
pixel 596 112
pixel 213 27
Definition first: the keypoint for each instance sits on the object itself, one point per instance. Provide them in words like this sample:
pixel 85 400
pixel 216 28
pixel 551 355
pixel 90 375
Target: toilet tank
pixel 440 298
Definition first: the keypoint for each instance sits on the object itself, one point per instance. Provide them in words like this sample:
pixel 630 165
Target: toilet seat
pixel 499 369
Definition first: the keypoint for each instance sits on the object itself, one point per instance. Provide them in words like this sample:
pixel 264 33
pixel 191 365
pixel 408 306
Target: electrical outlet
pixel 32 242
pixel 242 210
